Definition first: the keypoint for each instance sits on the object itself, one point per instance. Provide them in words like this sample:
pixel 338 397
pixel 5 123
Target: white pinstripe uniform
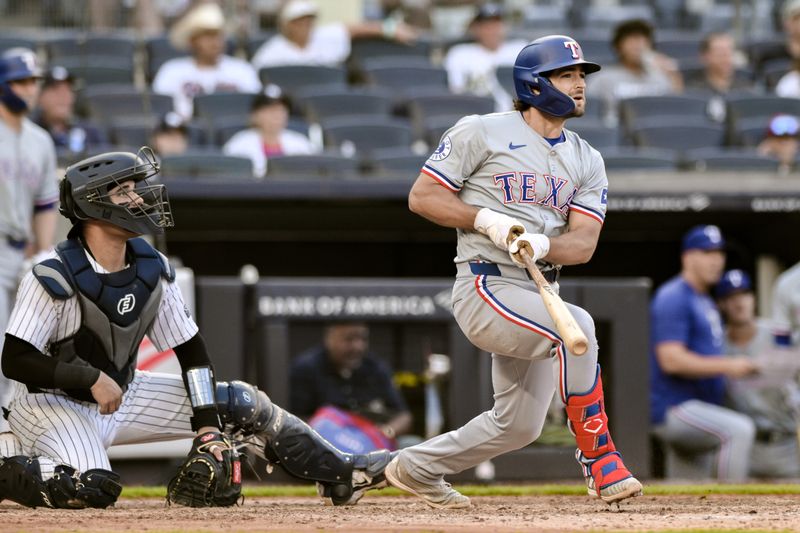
pixel 497 161
pixel 63 430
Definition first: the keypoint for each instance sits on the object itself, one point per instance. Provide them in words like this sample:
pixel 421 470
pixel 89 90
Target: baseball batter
pixel 786 308
pixel 28 186
pixel 72 343
pixel 508 181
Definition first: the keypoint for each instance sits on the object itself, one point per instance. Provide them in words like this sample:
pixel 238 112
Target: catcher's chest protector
pixel 117 309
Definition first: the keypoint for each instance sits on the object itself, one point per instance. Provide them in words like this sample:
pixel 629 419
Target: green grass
pixel 577 489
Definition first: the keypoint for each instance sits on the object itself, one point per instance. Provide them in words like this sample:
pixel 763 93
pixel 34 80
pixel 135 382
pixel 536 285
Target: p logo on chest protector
pixel 126 304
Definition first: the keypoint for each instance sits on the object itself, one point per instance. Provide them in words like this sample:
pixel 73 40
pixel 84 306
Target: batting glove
pixel 536 244
pixel 500 228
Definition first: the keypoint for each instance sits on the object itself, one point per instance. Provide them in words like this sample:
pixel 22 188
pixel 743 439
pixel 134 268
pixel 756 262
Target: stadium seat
pixel 396 163
pixel 749 131
pixel 106 102
pixel 544 17
pixel 399 76
pixel 135 132
pixel 10 41
pixel 366 133
pixel 422 107
pixel 222 106
pixel 773 70
pixel 122 48
pixel 728 159
pixel 364 48
pixel 435 127
pixel 679 137
pixel 291 78
pixel 628 158
pixel 601 137
pixel 635 110
pixel 745 112
pixel 254 42
pixel 760 51
pixel 606 17
pixel 505 76
pixel 311 166
pixel 328 102
pixel 680 48
pixel 96 70
pixel 206 165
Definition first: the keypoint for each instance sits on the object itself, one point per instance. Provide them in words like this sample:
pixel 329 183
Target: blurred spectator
pixel 302 42
pixel 718 56
pixel 641 71
pixel 770 401
pixel 687 371
pixel 56 114
pixel 789 84
pixel 342 374
pixel 268 136
pixel 471 66
pixel 170 136
pixel 207 70
pixel 782 141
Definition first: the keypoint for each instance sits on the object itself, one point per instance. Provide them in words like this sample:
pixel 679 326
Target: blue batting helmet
pixel 16 64
pixel 536 61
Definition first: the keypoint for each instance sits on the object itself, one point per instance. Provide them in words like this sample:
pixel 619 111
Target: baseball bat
pixel 574 339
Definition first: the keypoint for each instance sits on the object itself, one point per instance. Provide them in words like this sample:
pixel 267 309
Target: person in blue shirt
pixel 688 368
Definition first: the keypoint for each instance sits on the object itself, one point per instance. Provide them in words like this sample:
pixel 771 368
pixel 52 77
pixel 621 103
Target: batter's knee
pixel 516 433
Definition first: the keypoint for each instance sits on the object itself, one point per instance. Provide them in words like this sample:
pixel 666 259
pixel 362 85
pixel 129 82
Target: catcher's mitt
pixel 203 481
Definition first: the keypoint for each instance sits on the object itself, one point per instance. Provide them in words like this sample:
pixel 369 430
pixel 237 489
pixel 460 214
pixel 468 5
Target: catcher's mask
pixel 87 188
pixel 537 61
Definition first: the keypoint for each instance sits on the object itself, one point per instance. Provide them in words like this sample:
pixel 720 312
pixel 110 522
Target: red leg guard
pixel 606 471
pixel 588 421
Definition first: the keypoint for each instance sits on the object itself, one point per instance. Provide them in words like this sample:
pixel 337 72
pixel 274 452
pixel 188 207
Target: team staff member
pixel 28 185
pixel 520 175
pixel 688 371
pixel 72 343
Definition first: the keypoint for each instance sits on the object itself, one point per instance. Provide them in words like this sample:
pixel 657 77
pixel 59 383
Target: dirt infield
pixel 379 513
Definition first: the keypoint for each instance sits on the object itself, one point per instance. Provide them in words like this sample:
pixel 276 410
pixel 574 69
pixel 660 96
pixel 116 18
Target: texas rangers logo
pixel 126 304
pixel 443 150
pixel 574 47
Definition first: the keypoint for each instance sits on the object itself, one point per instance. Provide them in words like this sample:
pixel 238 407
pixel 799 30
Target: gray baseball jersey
pixel 154 407
pixel 498 161
pixel 27 177
pixel 786 306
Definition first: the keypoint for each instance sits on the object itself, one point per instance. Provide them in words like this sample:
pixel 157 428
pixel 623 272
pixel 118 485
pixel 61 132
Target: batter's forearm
pixel 44 228
pixel 433 202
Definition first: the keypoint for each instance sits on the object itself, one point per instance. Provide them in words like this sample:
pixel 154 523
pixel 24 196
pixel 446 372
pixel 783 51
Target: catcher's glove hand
pixel 203 480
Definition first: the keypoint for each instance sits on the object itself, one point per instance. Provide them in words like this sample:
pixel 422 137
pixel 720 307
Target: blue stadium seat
pixel 399 76
pixel 366 133
pixel 601 137
pixel 396 163
pixel 375 47
pixel 13 41
pixel 96 70
pixel 323 103
pixel 635 110
pixel 628 158
pixel 106 102
pixel 206 165
pixel 317 166
pixel 222 106
pixel 605 17
pixel 729 159
pixel 679 137
pixel 291 78
pixel 422 107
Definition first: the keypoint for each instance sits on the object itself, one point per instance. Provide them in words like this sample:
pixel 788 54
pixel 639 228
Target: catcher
pixel 72 344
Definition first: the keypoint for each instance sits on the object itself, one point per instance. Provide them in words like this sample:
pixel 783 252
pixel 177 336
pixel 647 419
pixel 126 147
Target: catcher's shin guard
pixel 288 441
pixel 21 482
pixel 601 462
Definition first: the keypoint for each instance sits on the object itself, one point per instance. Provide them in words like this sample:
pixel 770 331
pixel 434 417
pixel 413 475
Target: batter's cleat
pixel 367 475
pixel 608 479
pixel 439 495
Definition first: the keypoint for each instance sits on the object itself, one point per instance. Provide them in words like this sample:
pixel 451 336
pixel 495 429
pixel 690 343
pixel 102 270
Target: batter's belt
pixel 480 268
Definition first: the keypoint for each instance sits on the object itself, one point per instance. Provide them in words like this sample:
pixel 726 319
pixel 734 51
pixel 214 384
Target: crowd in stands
pixel 692 95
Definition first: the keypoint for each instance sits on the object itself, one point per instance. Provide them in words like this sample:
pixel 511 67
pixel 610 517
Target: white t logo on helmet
pixel 574 48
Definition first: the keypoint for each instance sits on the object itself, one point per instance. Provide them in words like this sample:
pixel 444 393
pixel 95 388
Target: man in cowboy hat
pixel 208 69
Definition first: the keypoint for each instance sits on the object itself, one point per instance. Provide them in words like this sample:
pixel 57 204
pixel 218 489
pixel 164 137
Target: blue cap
pixel 733 281
pixel 703 238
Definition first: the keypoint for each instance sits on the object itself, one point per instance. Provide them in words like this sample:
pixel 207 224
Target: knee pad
pixel 21 482
pixel 243 407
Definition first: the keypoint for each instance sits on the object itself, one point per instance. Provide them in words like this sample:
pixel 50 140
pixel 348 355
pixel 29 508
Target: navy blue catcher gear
pixel 536 61
pixel 16 64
